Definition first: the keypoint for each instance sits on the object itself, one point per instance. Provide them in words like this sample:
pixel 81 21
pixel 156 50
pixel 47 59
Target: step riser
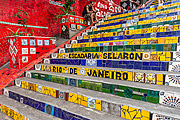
pixel 119 46
pixel 11 113
pixel 137 65
pixel 140 56
pixel 148 77
pixel 123 110
pixel 148 95
pixel 57 112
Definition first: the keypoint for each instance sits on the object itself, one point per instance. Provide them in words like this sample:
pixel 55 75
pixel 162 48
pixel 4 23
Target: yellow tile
pixel 159 79
pixel 98 105
pixel 162 58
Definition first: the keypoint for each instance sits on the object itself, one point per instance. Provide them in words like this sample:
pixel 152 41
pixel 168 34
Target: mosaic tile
pixel 176 56
pixel 91 62
pixel 139 77
pixel 131 113
pixel 169 99
pixel 174 66
pixel 150 78
pixel 161 117
pixel 172 80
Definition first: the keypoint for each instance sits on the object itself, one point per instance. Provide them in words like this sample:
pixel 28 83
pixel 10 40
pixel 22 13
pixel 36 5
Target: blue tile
pixel 115 64
pixel 145 63
pixel 126 62
pixel 156 68
pixel 99 63
pixel 120 62
pixel 146 68
pixel 122 66
pixel 154 64
pixel 83 62
pixel 129 66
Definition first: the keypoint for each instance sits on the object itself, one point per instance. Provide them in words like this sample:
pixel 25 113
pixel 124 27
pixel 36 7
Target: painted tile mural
pixel 11 113
pixel 169 99
pixel 131 113
pixel 162 117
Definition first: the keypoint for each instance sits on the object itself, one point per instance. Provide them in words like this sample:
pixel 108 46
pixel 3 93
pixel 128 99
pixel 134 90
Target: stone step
pixel 120 64
pixel 138 91
pixel 75 94
pixel 4 117
pixel 61 108
pixel 19 110
pixel 150 77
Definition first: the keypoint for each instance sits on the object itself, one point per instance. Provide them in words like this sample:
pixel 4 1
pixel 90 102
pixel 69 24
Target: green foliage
pixel 22 18
pixel 66 8
pixel 13 33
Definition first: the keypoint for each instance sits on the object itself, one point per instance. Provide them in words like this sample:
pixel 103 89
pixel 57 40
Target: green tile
pixel 143 91
pixel 122 87
pixel 119 93
pixel 137 97
pixel 152 100
pixel 53 78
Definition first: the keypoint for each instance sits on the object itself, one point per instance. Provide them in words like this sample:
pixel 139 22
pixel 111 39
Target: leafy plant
pixel 66 8
pixel 13 33
pixel 22 20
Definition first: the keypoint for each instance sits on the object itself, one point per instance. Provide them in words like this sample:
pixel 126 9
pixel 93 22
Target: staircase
pixel 124 67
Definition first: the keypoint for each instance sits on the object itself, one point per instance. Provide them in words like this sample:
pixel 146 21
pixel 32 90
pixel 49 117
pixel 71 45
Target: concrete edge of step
pixel 113 81
pixel 27 111
pixel 64 105
pixel 153 108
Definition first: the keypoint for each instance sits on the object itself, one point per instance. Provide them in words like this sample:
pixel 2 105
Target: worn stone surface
pixel 25 110
pixel 64 105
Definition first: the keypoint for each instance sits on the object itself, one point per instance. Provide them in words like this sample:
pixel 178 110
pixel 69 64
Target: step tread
pixel 4 117
pixel 155 108
pixel 118 69
pixel 25 110
pixel 65 105
pixel 112 81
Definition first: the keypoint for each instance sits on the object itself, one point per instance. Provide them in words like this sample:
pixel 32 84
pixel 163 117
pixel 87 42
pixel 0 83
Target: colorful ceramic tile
pixel 32 42
pixel 91 62
pixel 150 78
pixel 172 80
pixel 91 103
pixel 47 61
pixel 174 67
pixel 18 83
pixel 24 50
pixel 146 55
pixel 62 50
pixel 61 95
pixel 24 59
pixel 32 50
pixel 24 42
pixel 39 42
pixel 82 71
pixel 49 109
pixel 54 55
pixel 176 56
pixel 28 74
pixel 46 42
pixel 131 113
pixel 139 77
pixel 37 67
pixel 169 99
pixel 161 117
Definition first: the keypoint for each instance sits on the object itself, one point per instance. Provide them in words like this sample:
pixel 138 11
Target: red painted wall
pixel 41 14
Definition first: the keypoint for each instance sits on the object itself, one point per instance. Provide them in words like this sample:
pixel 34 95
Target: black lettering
pixel 104 55
pixel 106 74
pixel 131 56
pixel 71 70
pixel 125 76
pixel 101 73
pixel 125 56
pixel 118 75
pixel 89 73
pixel 137 56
